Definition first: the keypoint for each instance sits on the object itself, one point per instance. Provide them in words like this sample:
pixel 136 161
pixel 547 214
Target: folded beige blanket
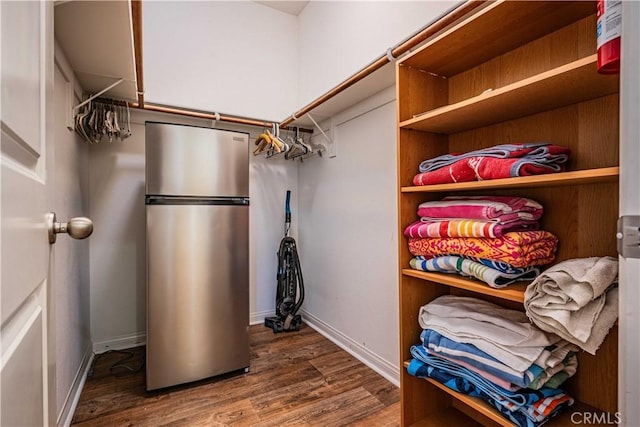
pixel 576 299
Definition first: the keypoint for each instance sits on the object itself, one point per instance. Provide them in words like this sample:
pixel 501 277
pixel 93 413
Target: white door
pixel 26 362
pixel 629 331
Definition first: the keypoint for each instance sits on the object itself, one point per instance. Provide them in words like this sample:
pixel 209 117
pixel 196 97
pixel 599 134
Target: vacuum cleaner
pixel 290 289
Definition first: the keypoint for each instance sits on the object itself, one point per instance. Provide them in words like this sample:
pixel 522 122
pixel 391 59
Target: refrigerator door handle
pixel 187 200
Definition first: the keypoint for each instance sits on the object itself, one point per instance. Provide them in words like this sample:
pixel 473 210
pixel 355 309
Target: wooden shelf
pixel 447 417
pixel 496 29
pixel 476 404
pixel 574 82
pixel 581 177
pixel 513 292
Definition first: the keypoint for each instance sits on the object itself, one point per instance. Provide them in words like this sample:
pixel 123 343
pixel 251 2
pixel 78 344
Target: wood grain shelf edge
pixel 586 176
pixel 512 292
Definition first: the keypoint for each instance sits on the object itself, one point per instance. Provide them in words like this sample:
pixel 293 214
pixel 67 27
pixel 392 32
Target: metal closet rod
pixel 211 116
pixel 444 21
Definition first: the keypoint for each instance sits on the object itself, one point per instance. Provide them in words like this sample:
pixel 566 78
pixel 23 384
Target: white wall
pixel 338 38
pixel 231 57
pixel 70 264
pixel 117 267
pixel 348 224
pixel 348 238
pixel 118 307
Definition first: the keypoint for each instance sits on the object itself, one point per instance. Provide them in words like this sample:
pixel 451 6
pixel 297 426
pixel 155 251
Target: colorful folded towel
pixel 501 266
pixel 518 248
pixel 474 359
pixel 538 151
pixel 526 408
pixel 501 209
pixel 466 228
pixel 501 161
pixel 466 267
pixel 498 265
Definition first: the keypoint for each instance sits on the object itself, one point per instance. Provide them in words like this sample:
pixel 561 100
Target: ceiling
pixel 290 7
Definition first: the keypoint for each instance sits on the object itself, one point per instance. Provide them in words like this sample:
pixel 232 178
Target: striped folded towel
pixel 466 267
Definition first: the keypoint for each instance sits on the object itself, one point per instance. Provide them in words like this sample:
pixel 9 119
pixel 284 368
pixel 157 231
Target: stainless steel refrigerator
pixel 197 203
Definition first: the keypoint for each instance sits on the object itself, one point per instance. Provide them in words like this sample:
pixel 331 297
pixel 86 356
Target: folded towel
pixel 518 248
pixel 576 299
pixel 500 382
pixel 529 408
pixel 487 168
pixel 466 228
pixel 504 334
pixel 502 209
pixel 474 359
pixel 532 150
pixel 466 267
pixel 498 265
pixel 554 377
pixel 478 361
pixel 520 397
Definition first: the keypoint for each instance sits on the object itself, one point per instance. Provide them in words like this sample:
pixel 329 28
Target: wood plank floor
pixel 298 378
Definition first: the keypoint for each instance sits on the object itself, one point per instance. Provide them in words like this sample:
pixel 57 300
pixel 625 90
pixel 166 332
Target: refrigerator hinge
pixel 628 236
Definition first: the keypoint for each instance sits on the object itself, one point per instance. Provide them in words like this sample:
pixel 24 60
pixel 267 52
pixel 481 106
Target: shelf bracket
pixel 91 98
pixel 323 134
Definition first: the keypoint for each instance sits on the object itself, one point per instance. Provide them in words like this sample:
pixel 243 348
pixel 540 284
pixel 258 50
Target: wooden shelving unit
pixel 510 72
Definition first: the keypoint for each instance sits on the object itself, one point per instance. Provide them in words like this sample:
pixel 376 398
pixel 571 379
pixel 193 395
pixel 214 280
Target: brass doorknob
pixel 78 228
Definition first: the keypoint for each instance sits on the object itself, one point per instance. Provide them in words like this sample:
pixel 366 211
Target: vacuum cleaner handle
pixel 287 208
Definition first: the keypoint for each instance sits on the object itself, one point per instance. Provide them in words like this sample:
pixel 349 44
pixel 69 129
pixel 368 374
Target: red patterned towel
pixel 481 168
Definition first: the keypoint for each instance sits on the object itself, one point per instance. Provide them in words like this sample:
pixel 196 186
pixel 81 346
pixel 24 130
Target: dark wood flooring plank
pixel 386 417
pixel 297 378
pixel 336 410
pixel 334 362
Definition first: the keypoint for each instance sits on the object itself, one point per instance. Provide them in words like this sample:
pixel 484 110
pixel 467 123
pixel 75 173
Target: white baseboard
pixel 258 317
pixel 71 402
pixel 121 343
pixel 383 367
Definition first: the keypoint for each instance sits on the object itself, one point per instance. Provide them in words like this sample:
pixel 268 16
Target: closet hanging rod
pixel 94 96
pixel 439 24
pixel 211 116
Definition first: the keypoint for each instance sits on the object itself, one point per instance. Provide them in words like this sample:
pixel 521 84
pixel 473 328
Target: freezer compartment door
pixel 197 292
pixel 193 161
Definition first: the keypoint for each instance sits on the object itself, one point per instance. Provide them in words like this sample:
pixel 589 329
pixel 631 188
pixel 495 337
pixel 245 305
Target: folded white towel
pixel 571 300
pixel 504 334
